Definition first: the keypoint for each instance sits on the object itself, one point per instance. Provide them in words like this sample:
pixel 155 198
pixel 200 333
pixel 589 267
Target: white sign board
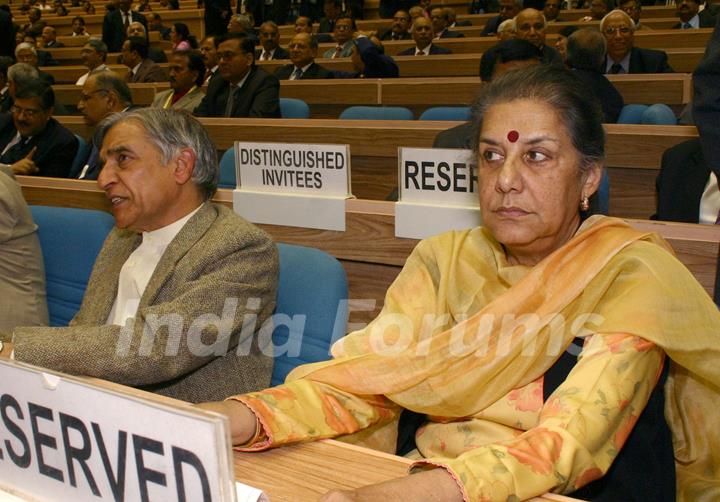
pixel 437 192
pixel 298 185
pixel 64 438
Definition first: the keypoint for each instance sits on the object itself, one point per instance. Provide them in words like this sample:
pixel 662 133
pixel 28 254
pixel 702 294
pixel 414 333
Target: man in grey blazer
pixel 187 73
pixel 181 286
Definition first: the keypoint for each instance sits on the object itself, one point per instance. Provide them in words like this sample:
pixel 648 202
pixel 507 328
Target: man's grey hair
pixel 98 45
pixel 507 25
pixel 23 46
pixel 141 25
pixel 109 81
pixel 586 49
pixel 243 21
pixel 22 73
pixel 622 14
pixel 170 131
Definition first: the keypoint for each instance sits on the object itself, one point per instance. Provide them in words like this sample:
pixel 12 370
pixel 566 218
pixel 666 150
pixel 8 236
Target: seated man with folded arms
pixel 32 142
pixel 187 72
pixel 103 94
pixel 176 279
pixel 22 276
pixel 303 51
pixel 622 55
pixel 245 89
pixel 422 34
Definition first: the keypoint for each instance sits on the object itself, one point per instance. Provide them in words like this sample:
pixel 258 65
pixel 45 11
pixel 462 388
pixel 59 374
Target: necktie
pixel 418 52
pixel 92 159
pixel 686 26
pixel 338 52
pixel 231 100
pixel 297 74
pixel 616 68
pixel 15 152
pixel 208 75
pixel 265 56
pixel 127 21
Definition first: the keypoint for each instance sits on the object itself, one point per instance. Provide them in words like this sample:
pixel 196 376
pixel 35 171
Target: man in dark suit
pixel 102 95
pixel 683 179
pixel 423 36
pixel 691 17
pixel 245 90
pixel 440 22
pixel 208 51
pixel 551 11
pixel 35 24
pixel 136 29
pixel 116 23
pixel 530 25
pixel 217 15
pixel 270 40
pixel 399 28
pixel 622 56
pixel 332 10
pixel 49 38
pixel 7 34
pixel 31 141
pixel 585 55
pixel 303 51
pixel 142 68
pixel 508 10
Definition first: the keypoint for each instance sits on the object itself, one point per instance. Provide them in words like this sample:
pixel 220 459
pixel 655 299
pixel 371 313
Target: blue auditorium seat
pixel 70 240
pixel 291 108
pixel 446 113
pixel 227 169
pixel 312 284
pixel 377 113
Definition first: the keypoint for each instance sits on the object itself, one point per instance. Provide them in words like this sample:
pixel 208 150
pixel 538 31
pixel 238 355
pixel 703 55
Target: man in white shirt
pixel 93 56
pixel 181 285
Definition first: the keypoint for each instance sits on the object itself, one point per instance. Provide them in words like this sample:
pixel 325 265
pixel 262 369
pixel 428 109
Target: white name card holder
pixel 65 438
pixel 298 185
pixel 437 192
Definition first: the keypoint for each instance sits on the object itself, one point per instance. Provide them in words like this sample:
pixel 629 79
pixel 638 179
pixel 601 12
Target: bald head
pixel 530 25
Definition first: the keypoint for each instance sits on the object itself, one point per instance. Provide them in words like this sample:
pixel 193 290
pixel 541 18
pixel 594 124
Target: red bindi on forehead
pixel 513 136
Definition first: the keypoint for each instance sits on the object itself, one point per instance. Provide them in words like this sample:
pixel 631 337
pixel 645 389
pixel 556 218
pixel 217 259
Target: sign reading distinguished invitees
pixel 64 438
pixel 298 185
pixel 437 192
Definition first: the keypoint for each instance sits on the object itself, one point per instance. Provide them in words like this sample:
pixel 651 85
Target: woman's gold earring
pixel 584 204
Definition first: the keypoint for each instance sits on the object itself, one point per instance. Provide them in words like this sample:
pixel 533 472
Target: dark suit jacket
pixel 376 64
pixel 707 20
pixel 326 25
pixel 113 33
pixel 451 34
pixel 258 97
pixel 54 45
pixel 681 182
pixel 648 61
pixel 388 35
pixel 314 72
pixel 455 137
pixel 157 55
pixel 280 53
pixel 610 99
pixel 216 257
pixel 56 147
pixel 491 26
pixel 7 35
pixel 149 71
pixel 45 58
pixel 434 50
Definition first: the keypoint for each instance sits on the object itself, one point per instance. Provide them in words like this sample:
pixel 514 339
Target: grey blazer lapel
pixel 193 231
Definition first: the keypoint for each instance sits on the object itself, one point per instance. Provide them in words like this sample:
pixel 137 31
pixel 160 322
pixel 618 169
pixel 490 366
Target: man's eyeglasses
pixel 624 30
pixel 29 112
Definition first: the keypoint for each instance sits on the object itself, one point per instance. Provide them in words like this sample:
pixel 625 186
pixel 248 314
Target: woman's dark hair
pixel 563 91
pixel 184 32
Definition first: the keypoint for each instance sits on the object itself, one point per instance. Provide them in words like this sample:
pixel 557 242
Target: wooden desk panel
pixel 70 74
pixel 371 268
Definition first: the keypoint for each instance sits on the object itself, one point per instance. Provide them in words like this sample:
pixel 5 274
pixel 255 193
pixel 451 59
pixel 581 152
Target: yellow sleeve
pixel 303 410
pixel 582 427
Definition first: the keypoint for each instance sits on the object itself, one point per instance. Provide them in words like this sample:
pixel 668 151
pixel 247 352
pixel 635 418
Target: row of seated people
pixel 481 418
pixel 104 93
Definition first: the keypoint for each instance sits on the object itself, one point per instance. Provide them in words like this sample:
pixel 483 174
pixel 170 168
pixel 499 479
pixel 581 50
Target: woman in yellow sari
pixel 473 356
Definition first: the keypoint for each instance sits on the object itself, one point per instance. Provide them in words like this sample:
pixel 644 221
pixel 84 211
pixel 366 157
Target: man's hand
pixel 7 350
pixel 26 165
